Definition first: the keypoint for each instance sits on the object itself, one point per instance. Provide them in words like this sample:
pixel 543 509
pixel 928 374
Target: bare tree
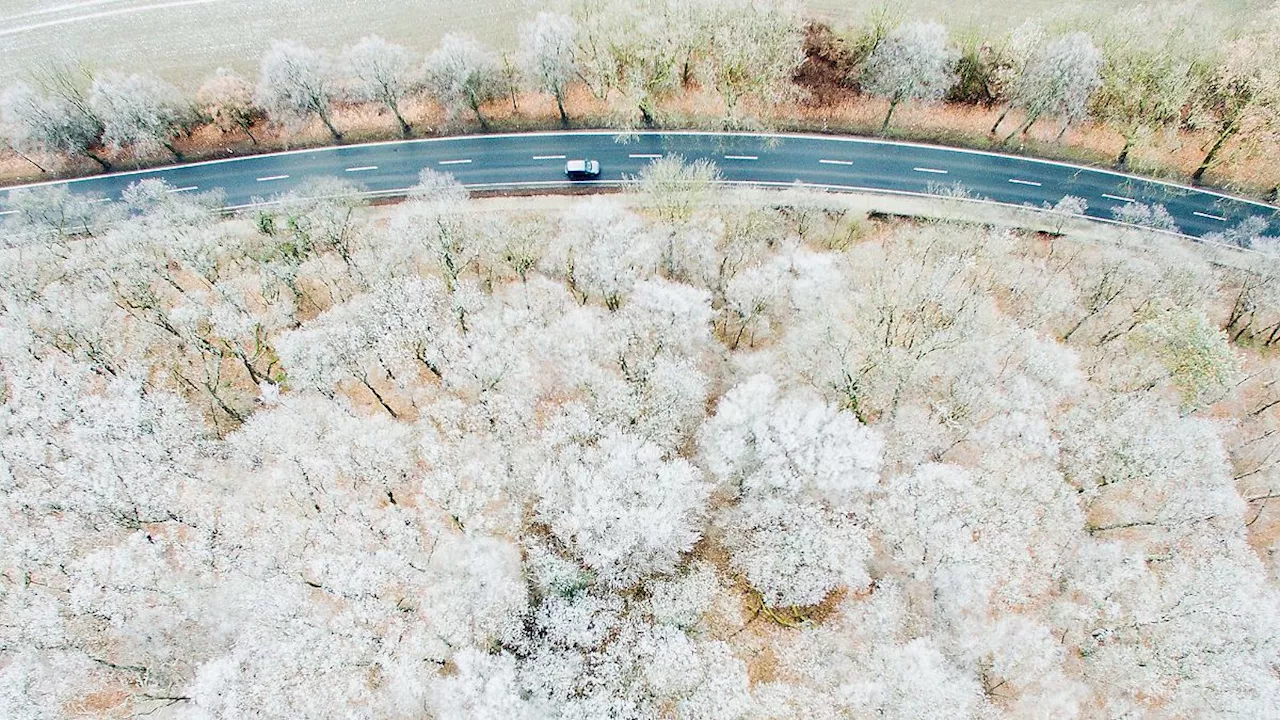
pixel 227 100
pixel 547 55
pixel 1058 80
pixel 296 83
pixel 382 72
pixel 914 62
pixel 45 124
pixel 753 53
pixel 139 112
pixel 462 73
pixel 1243 93
pixel 1148 77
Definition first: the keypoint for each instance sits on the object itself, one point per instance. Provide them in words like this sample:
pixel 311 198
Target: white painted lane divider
pixel 548 157
pixel 836 162
pixel 644 155
pixel 935 171
pixel 1119 197
pixel 8 212
pixel 188 188
pixel 1016 181
pixel 362 168
pixel 453 162
pixel 269 178
pixel 741 157
pixel 1219 218
pixel 100 200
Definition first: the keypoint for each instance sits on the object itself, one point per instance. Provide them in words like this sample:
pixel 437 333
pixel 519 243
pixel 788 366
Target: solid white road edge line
pixel 1119 197
pixel 836 162
pixel 269 178
pixel 767 183
pixel 1219 218
pixel 1016 181
pixel 930 170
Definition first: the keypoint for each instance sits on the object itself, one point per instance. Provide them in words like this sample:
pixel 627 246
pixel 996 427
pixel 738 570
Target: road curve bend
pixel 536 160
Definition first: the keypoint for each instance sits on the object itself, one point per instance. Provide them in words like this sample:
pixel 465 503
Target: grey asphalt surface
pixel 533 160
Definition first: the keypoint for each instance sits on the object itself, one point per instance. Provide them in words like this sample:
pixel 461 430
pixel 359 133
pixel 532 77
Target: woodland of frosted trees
pixel 676 453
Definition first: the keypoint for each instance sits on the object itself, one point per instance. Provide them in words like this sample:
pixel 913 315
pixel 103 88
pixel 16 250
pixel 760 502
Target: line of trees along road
pixel 746 57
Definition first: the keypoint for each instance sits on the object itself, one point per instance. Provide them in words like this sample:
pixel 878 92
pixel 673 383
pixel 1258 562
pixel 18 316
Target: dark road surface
pixel 535 160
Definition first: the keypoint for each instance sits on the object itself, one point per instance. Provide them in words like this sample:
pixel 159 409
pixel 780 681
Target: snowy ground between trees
pixel 678 453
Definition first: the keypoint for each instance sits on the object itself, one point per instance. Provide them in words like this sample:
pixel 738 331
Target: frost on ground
pixel 677 454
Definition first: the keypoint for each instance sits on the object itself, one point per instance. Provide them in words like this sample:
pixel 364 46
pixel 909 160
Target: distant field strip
pixel 93 16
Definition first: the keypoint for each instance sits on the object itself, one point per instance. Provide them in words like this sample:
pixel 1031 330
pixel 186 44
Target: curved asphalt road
pixel 534 160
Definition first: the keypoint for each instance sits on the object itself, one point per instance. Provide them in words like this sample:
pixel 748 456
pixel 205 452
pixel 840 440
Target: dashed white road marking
pixel 100 200
pixel 188 188
pixel 741 157
pixel 8 212
pixel 548 157
pixel 1016 181
pixel 269 178
pixel 362 168
pixel 1119 197
pixel 836 162
pixel 1219 218
pixel 453 162
pixel 935 171
pixel 644 155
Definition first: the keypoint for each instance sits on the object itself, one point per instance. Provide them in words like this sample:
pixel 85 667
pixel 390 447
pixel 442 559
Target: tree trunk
pixel 248 130
pixel 324 118
pixel 106 166
pixel 1023 128
pixel 1000 119
pixel 893 105
pixel 1207 162
pixel 405 129
pixel 564 117
pixel 169 146
pixel 1123 159
pixel 484 123
pixel 28 159
pixel 646 117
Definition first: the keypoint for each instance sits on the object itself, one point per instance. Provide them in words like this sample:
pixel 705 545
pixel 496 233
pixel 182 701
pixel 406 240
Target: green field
pixel 183 40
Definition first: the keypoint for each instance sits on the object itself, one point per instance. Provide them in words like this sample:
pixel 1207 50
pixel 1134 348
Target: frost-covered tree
pixel 753 53
pixel 800 469
pixel 1148 77
pixel 296 83
pixel 547 55
pixel 1058 81
pixel 621 507
pixel 139 112
pixel 1242 94
pixel 914 62
pixel 382 72
pixel 50 124
pixel 462 73
pixel 227 99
